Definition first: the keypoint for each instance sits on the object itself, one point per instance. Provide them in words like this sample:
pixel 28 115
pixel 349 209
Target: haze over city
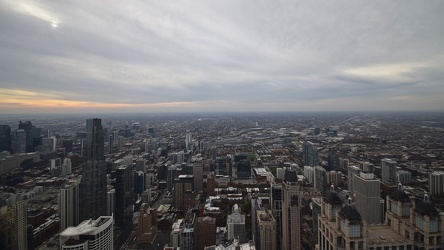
pixel 151 56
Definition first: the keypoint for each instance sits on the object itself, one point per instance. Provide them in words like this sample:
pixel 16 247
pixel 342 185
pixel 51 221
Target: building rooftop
pixel 88 227
pixel 426 207
pixel 350 212
pixel 377 234
pixel 332 197
pixel 400 195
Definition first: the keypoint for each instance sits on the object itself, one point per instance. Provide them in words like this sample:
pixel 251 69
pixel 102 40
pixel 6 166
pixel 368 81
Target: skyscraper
pixel 68 203
pixel 198 176
pixel 388 168
pixel 333 161
pixel 21 225
pixel 368 200
pixel 236 225
pixel 436 182
pixel 276 207
pixel 266 225
pixel 5 138
pixel 147 224
pixel 352 171
pixel 320 179
pixel 27 126
pixel 93 184
pixel 110 144
pixel 139 182
pixel 310 154
pixel 124 195
pixel 182 184
pixel 206 232
pixel 291 214
pixel 188 144
pixel 19 141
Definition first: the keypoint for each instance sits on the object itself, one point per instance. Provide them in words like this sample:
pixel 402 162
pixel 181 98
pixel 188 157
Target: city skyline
pixel 147 56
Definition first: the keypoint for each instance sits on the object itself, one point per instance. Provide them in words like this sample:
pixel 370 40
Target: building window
pixel 419 222
pixel 433 225
pixel 355 230
pixel 343 226
pixel 405 209
pixel 334 213
pixel 394 207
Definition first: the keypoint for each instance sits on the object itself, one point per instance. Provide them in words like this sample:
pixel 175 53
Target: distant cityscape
pixel 223 181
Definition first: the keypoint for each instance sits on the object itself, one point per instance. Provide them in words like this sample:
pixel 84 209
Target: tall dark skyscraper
pixel 93 184
pixel 29 130
pixel 124 195
pixel 310 154
pixel 5 138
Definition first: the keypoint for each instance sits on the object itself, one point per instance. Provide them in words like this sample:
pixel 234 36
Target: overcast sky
pixel 156 56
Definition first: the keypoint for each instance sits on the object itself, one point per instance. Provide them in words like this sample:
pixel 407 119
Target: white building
pixel 436 182
pixel 309 173
pixel 236 225
pixel 90 234
pixel 68 202
pixel 334 178
pixel 388 169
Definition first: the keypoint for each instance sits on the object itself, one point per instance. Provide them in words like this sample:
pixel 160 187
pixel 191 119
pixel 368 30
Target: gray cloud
pixel 263 55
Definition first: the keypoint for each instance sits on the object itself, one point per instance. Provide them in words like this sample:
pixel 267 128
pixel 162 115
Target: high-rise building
pixel 110 201
pixel 7 223
pixel 140 164
pixel 29 129
pixel 66 167
pixel 291 214
pixel 48 144
pixel 120 143
pixel 436 182
pixel 19 141
pixel 267 227
pixel 309 174
pixel 206 232
pixel 368 201
pixel 124 195
pixel 405 176
pixel 139 182
pixel 334 178
pixel 90 234
pixel 93 188
pixel 147 224
pixel 188 144
pixel 5 138
pixel 316 212
pixel 243 169
pixel 182 184
pixel 211 184
pixel 175 233
pixel 236 225
pixel 352 171
pixel 110 144
pixel 276 208
pixel 310 154
pixel 388 168
pixel 21 225
pixel 320 180
pixel 333 161
pixel 188 234
pixel 343 163
pixel 68 204
pixel 198 176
